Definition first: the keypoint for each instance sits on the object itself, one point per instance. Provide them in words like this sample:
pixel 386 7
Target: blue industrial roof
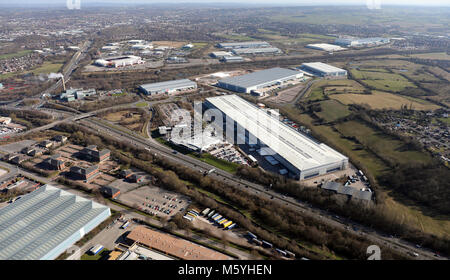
pixel 47 218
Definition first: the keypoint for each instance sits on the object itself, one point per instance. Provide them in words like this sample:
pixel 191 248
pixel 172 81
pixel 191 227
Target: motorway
pixel 262 191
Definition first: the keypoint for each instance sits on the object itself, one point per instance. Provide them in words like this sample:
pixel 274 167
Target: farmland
pixel 384 100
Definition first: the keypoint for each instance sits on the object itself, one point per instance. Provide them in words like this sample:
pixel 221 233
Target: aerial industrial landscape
pixel 202 131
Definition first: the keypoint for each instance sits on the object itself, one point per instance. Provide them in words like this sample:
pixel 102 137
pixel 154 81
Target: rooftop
pixel 33 227
pixel 167 85
pixel 323 67
pixel 259 77
pixel 301 151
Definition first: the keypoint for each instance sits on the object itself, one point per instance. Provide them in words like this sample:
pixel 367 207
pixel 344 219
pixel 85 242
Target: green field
pixel 141 104
pixel 219 163
pixel 382 144
pixel 16 54
pixel 382 81
pixel 47 68
pixel 332 110
pixel 384 100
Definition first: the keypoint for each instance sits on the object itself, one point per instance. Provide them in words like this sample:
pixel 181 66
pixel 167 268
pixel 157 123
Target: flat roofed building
pixel 304 157
pixel 358 42
pixel 168 87
pixel 325 47
pixel 232 59
pixel 54 220
pixel 173 246
pixel 242 45
pixel 323 70
pixel 244 51
pixel 259 79
pixel 221 54
pixel 93 154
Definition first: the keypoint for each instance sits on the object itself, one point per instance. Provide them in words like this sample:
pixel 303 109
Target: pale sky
pixel 274 2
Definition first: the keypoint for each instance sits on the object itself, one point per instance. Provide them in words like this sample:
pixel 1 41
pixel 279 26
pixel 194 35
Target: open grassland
pixel 384 100
pixel 16 54
pixel 407 212
pixel 47 68
pixel 435 56
pixel 327 87
pixel 332 110
pixel 382 144
pixel 382 81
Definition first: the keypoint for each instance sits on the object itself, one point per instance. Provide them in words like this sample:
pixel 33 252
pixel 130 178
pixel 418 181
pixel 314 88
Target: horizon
pixel 262 3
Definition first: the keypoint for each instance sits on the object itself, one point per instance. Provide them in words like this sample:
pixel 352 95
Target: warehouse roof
pixel 323 67
pixel 168 84
pixel 173 246
pixel 255 50
pixel 259 77
pixel 301 151
pixel 243 44
pixel 32 227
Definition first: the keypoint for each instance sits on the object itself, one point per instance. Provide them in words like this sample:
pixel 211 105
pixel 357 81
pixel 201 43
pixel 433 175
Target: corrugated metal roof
pixel 168 85
pixel 40 221
pixel 322 67
pixel 299 150
pixel 260 77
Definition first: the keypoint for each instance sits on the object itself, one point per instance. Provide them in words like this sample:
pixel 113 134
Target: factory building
pixel 220 54
pixel 76 94
pixel 248 51
pixel 54 219
pixel 244 45
pixel 361 42
pixel 278 143
pixel 120 61
pixel 323 70
pixel 260 79
pixel 232 59
pixel 325 47
pixel 168 87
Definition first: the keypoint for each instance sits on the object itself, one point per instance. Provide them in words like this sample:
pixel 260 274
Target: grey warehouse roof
pixel 168 85
pixel 259 77
pixel 322 67
pixel 45 222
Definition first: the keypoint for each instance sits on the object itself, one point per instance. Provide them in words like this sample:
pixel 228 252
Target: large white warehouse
pixel 323 70
pixel 119 61
pixel 46 222
pixel 259 79
pixel 302 156
pixel 168 87
pixel 243 45
pixel 358 42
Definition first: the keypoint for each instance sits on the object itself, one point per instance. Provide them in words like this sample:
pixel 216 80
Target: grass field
pixel 47 68
pixel 16 54
pixel 332 110
pixel 382 81
pixel 437 56
pixel 382 144
pixel 327 87
pixel 141 104
pixel 384 100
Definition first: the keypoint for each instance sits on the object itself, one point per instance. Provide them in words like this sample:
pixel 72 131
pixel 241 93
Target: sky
pixel 270 2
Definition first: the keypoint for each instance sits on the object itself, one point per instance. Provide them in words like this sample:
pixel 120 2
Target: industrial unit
pixel 46 222
pixel 244 51
pixel 232 59
pixel 302 156
pixel 325 47
pixel 260 79
pixel 121 61
pixel 323 70
pixel 243 45
pixel 168 87
pixel 359 42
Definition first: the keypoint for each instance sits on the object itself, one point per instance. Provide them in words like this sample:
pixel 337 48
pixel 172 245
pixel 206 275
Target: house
pixel 60 138
pixel 126 173
pixel 26 150
pixel 54 162
pixel 18 159
pixel 136 178
pixel 108 191
pixel 85 173
pixel 46 144
pixel 91 153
